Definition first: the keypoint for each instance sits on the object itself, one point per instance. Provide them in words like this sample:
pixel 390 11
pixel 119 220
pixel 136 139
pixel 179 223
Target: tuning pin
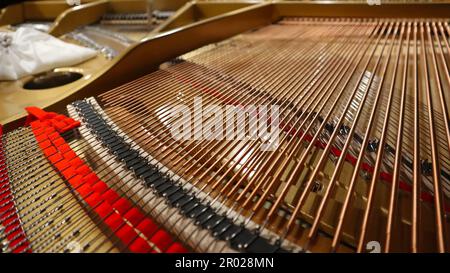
pixel 330 126
pixel 426 167
pixel 86 246
pixel 317 186
pixel 366 175
pixel 258 229
pixel 278 241
pixel 73 247
pixel 372 146
pixel 344 130
pixel 4 246
pixel 389 149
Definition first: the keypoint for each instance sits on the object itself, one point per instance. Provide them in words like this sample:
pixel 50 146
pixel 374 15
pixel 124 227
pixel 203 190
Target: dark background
pixel 4 3
pixel 156 263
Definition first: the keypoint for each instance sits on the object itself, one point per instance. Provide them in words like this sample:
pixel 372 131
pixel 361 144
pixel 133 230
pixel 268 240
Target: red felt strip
pixel 61 165
pixel 94 199
pixel 118 213
pixel 83 170
pixel 76 181
pixel 69 172
pixel 49 151
pixel 104 209
pixel 55 158
pixel 114 221
pixel 162 239
pixel 110 196
pixel 147 227
pixel 127 234
pixel 41 137
pixel 100 187
pixel 140 246
pixel 91 179
pixel 134 216
pixel 10 219
pixel 76 162
pixel 85 190
pixel 176 248
pixel 45 144
pixel 122 205
pixel 69 155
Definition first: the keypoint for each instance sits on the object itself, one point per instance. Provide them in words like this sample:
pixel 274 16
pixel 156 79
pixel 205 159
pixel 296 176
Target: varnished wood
pixel 78 16
pixel 32 11
pixel 197 11
pixel 11 14
pixel 44 10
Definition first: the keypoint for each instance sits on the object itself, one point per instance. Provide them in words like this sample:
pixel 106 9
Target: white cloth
pixel 28 51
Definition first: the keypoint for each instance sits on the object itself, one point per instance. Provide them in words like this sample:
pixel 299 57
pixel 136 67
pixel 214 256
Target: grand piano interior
pixel 352 154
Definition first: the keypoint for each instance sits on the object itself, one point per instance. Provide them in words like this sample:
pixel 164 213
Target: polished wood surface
pixel 78 16
pixel 32 11
pixel 199 11
pixel 11 15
